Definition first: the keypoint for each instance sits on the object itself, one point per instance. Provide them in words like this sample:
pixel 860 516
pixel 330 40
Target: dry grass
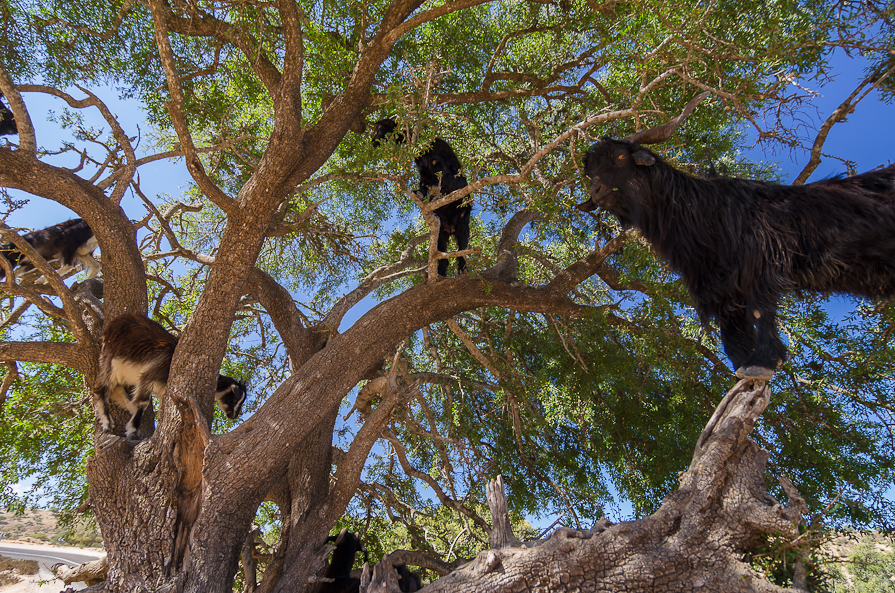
pixel 7 578
pixel 20 566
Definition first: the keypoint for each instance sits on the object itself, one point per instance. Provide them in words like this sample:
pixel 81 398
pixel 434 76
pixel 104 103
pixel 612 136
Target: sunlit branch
pixel 123 141
pixel 288 102
pixel 838 115
pixel 27 140
pixel 375 279
pixel 430 15
pixel 178 118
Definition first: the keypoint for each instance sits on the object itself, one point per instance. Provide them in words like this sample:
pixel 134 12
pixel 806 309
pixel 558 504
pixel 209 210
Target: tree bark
pixel 92 572
pixel 694 542
pixel 501 534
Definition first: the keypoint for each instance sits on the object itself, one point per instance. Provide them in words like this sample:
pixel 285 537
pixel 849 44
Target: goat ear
pixel 642 157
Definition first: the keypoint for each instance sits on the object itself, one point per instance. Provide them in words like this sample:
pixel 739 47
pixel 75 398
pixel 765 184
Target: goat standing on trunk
pixel 339 569
pixel 8 125
pixel 135 362
pixel 740 244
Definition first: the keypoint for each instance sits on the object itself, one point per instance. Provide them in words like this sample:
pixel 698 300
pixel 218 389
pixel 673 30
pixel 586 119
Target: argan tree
pixel 567 360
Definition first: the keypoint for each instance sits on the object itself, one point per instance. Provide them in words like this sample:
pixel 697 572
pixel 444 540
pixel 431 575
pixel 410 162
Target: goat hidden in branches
pixel 135 361
pixel 339 570
pixel 68 242
pixel 740 244
pixel 439 170
pixel 8 125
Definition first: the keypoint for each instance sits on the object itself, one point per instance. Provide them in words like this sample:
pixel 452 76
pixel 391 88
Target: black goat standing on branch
pixel 739 244
pixel 439 170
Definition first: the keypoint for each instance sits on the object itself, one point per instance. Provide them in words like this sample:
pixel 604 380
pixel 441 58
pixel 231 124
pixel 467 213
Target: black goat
pixel 339 569
pixel 7 120
pixel 408 582
pixel 439 170
pixel 67 241
pixel 739 244
pixel 135 362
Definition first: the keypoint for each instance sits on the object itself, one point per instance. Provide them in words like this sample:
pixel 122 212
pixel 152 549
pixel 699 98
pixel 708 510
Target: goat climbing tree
pixel 249 213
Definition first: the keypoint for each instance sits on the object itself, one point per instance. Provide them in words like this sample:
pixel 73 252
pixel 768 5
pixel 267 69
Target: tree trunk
pixel 695 542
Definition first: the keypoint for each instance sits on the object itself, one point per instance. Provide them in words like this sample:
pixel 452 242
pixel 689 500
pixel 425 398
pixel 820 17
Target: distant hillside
pixel 865 563
pixel 42 526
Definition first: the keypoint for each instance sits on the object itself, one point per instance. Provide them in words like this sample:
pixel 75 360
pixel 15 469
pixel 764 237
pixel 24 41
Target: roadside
pixel 46 556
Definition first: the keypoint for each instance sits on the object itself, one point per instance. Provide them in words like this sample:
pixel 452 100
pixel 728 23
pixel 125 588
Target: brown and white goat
pixel 134 363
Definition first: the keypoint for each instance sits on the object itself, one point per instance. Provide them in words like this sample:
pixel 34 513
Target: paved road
pixel 48 555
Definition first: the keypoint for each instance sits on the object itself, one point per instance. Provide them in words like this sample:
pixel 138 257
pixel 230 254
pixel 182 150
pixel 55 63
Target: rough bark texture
pixel 695 542
pixel 501 534
pixel 92 572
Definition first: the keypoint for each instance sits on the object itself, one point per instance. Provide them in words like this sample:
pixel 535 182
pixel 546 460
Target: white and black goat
pixel 68 241
pixel 134 363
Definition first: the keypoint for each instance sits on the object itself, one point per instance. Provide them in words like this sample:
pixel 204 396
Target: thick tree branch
pixel 71 355
pixel 27 140
pixel 123 273
pixel 301 341
pixel 586 267
pixel 205 25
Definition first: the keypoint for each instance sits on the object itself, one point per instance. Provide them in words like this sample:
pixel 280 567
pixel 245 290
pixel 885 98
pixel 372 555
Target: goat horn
pixel 663 132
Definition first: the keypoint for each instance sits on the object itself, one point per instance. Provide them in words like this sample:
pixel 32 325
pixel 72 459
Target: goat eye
pixel 622 157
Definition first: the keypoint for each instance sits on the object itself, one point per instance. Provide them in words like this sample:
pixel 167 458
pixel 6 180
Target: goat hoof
pixel 755 372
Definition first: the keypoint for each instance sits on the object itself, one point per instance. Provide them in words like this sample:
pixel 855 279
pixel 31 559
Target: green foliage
pixel 782 558
pixel 577 414
pixel 45 433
